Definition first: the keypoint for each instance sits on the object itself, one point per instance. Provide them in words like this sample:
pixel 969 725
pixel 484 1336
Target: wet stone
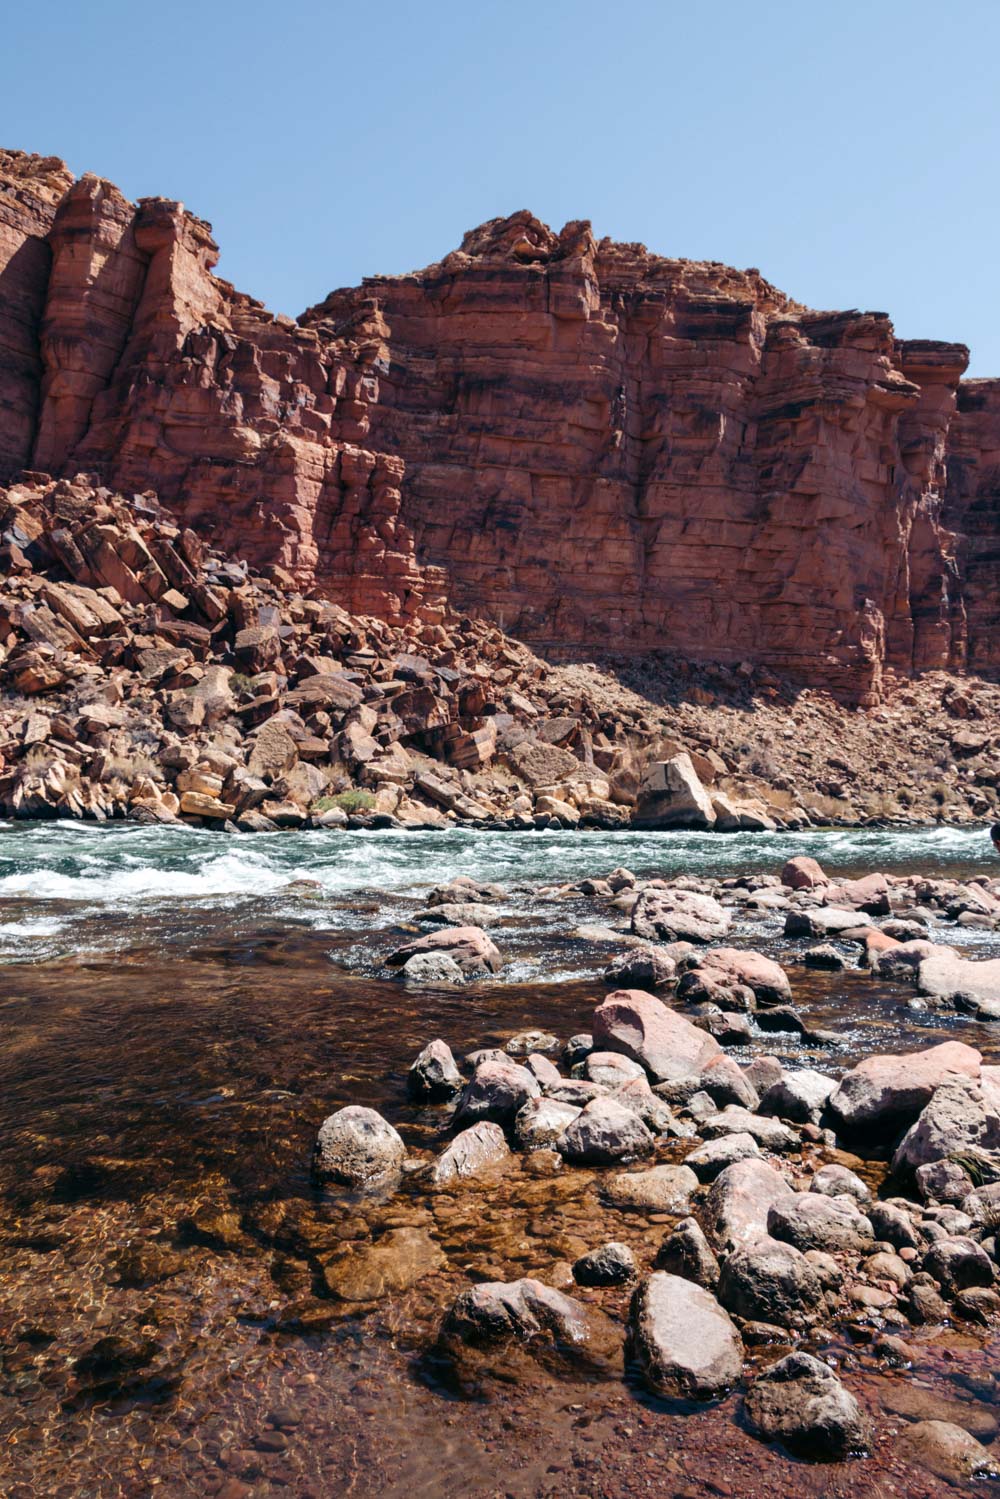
pixel 612 1264
pixel 800 1401
pixel 685 1343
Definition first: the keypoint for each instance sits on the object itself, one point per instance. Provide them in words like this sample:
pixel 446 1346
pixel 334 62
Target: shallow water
pixel 182 1009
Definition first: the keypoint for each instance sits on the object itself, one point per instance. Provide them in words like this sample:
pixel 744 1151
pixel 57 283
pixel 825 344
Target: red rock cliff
pixel 596 446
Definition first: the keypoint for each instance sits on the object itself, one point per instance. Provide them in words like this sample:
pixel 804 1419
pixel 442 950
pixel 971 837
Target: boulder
pixel 770 1134
pixel 540 1123
pixel 707 1160
pixel 479 1148
pixel 686 1252
pixel 739 1201
pixel 468 946
pixel 685 1344
pixel 641 968
pixel 613 1264
pixel 948 1452
pixel 497 1090
pixel 496 1314
pixel 800 1402
pixel 672 796
pixel 803 873
pixel 808 1220
pixel 822 921
pixel 801 1096
pixel 763 975
pixel 766 1280
pixel 358 1147
pixel 884 1094
pixel 611 1068
pixel 962 1119
pixel 678 915
pixel 604 1132
pixel 834 1180
pixel 429 969
pixel 661 1189
pixel 957 1263
pixel 639 1026
pixel 953 980
pixel 434 1075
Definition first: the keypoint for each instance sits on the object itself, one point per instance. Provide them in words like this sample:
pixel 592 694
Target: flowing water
pixel 180 1011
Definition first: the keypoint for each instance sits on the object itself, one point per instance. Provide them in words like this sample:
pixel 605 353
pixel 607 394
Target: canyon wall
pixel 598 447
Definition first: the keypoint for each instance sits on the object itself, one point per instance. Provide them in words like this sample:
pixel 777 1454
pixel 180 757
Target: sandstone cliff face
pixel 592 445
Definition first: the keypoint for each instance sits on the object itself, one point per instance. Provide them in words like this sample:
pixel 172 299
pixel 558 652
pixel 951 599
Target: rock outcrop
pixel 592 445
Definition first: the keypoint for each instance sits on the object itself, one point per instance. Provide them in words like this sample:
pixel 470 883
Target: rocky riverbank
pixel 146 676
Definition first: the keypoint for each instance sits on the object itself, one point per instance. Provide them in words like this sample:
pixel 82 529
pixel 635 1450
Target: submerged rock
pixel 358 1147
pixel 948 1451
pixel 686 1345
pixel 396 1261
pixel 800 1401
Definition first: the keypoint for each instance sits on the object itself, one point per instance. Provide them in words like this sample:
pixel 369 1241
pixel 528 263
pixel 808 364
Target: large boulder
pixel 767 979
pixel 801 1096
pixel 800 1401
pixel 672 796
pixel 649 967
pixel 481 1147
pixel 739 1201
pixel 540 1123
pixel 962 1119
pixel 358 1147
pixel 884 1094
pixel 686 1345
pixel 496 1091
pixel 641 1027
pixel 604 1132
pixel 678 916
pixel 468 946
pixel 972 986
pixel 766 1280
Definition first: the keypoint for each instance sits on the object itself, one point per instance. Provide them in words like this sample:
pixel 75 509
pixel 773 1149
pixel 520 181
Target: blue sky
pixel 850 151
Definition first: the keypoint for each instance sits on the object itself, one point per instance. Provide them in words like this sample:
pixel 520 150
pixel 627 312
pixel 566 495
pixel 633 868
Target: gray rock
pixel 434 1075
pixel 809 1220
pixel 770 1134
pixel 801 1096
pixel 822 921
pixel 526 1042
pixel 575 1091
pixel 707 1160
pixel 686 1252
pixel 452 913
pixel 800 1401
pixel 430 969
pixel 641 968
pixel 769 1281
pixel 678 915
pixel 479 1148
pixel 661 1189
pixel 539 1124
pixel 613 1264
pixel 837 1181
pixel 943 1181
pixel 610 1068
pixel 739 1200
pixel 684 1342
pixel 959 1263
pixel 498 1312
pixel 655 1113
pixel 729 1029
pixel 892 1225
pixel 462 890
pixel 496 1091
pixel 824 956
pixel 577 1048
pixel 604 1132
pixel 358 1147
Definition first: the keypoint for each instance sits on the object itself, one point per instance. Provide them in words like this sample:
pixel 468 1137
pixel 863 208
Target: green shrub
pixel 347 801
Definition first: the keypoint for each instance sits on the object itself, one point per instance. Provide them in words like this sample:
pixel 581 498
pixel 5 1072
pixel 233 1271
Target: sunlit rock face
pixel 591 444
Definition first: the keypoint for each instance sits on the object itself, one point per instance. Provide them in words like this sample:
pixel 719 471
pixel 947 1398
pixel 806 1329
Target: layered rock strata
pixel 591 445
